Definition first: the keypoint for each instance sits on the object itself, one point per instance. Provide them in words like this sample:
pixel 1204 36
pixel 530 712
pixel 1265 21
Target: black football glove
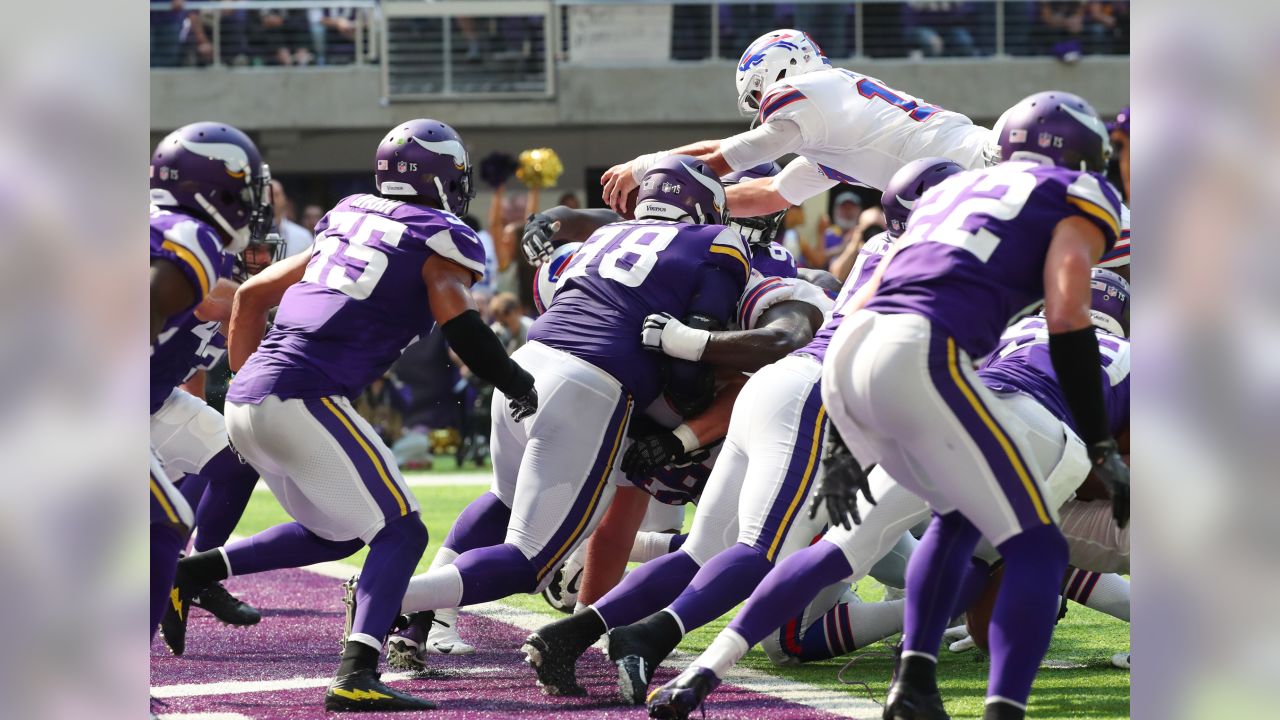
pixel 842 478
pixel 526 403
pixel 1114 474
pixel 650 452
pixel 536 243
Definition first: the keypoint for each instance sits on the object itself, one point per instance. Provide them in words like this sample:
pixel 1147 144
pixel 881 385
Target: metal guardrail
pixel 427 49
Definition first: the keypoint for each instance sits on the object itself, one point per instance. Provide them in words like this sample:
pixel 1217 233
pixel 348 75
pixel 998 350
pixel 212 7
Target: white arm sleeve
pixel 801 180
pixel 765 143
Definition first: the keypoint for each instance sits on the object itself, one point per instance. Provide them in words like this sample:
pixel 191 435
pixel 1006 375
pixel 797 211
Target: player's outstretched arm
pixel 449 292
pixel 784 327
pixel 253 300
pixel 171 293
pixel 1073 347
pixel 547 230
pixel 216 307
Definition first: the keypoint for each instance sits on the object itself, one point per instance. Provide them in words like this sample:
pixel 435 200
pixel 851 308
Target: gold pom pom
pixel 539 167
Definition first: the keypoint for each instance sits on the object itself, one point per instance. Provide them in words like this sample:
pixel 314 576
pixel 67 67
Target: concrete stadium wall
pixel 330 120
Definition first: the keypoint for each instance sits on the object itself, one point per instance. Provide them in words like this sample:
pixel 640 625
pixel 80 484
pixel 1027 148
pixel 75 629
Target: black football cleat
pixel 173 626
pixel 907 703
pixel 226 607
pixel 349 606
pixel 683 695
pixel 636 654
pixel 555 664
pixel 363 691
pixel 405 649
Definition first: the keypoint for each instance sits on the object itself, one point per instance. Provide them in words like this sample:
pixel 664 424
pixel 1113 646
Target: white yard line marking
pixel 844 704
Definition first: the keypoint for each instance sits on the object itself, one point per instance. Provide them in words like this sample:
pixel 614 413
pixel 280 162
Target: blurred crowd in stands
pixel 930 28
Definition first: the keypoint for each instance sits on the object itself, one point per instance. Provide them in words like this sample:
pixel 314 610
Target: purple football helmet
pixel 908 184
pixel 1110 306
pixel 762 229
pixel 1121 122
pixel 680 186
pixel 1053 128
pixel 425 158
pixel 215 172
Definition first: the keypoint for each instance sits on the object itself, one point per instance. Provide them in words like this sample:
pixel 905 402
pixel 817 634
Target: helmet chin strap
pixel 239 238
pixel 440 189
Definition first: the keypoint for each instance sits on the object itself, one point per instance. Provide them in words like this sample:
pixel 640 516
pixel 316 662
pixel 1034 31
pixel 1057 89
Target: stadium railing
pixel 457 49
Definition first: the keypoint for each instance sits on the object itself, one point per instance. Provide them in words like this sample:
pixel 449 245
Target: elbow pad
pixel 479 348
pixel 1078 365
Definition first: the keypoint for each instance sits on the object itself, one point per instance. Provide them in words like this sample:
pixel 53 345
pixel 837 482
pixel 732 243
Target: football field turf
pixel 1076 681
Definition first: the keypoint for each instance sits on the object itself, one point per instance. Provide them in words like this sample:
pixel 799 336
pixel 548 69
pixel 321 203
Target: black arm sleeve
pixel 479 348
pixel 1077 363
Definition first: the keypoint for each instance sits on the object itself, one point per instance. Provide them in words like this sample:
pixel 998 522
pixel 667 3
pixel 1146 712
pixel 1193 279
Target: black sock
pixel 199 571
pixel 662 630
pixel 586 624
pixel 1003 711
pixel 919 672
pixel 358 656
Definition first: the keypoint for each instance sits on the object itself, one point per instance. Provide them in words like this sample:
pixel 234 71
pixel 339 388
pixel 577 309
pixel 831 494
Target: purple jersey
pixel 863 268
pixel 1021 363
pixel 361 302
pixel 196 250
pixel 628 270
pixel 773 261
pixel 972 258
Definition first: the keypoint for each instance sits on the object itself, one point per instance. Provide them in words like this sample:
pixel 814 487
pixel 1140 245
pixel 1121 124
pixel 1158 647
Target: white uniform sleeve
pixel 783 101
pixel 801 180
pixel 1119 254
pixel 763 293
pixel 763 144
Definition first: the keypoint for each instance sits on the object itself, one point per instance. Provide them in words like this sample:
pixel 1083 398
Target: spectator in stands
pixel 828 24
pixel 297 239
pixel 793 238
pixel 569 200
pixel 870 223
pixel 339 34
pixel 936 29
pixel 509 323
pixel 1074 27
pixel 166 30
pixel 514 274
pixel 286 36
pixel 383 404
pixel 311 215
pixel 1120 149
pixel 837 229
pixel 427 372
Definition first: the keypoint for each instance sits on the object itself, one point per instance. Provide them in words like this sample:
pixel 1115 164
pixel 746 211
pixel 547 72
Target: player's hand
pixel 536 243
pixel 842 478
pixel 651 452
pixel 665 334
pixel 1109 467
pixel 523 404
pixel 618 182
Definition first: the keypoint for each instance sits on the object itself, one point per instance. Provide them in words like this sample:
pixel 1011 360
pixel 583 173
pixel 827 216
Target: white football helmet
pixel 774 55
pixel 546 278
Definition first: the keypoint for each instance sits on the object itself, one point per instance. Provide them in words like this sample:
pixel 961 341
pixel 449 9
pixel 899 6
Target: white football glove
pixel 665 334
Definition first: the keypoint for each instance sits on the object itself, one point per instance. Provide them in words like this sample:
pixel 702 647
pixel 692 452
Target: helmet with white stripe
pixel 680 187
pixel 773 56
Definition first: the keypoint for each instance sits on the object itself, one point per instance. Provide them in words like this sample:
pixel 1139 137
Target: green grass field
pixel 1078 680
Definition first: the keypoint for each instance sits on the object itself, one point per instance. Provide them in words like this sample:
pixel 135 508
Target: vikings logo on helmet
pixel 547 277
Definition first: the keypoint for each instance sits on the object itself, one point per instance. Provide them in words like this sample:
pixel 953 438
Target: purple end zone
pixel 298 640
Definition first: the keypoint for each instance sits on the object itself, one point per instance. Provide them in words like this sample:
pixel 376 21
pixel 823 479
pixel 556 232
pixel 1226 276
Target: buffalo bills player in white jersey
pixel 555 474
pixel 845 126
pixel 386 268
pixel 208 201
pixel 981 248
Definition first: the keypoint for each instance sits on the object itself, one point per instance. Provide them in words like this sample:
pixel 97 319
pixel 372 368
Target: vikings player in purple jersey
pixel 386 268
pixel 1021 374
pixel 555 475
pixel 208 200
pixel 982 247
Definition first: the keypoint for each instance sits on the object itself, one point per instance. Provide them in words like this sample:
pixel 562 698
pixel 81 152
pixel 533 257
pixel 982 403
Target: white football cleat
pixel 1122 661
pixel 443 638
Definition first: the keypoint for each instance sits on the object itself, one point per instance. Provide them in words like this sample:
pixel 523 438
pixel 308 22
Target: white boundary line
pixel 843 704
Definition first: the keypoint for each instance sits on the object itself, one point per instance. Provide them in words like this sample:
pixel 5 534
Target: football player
pixel 385 269
pixel 555 474
pixel 982 247
pixel 209 200
pixel 845 126
pixel 1018 369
